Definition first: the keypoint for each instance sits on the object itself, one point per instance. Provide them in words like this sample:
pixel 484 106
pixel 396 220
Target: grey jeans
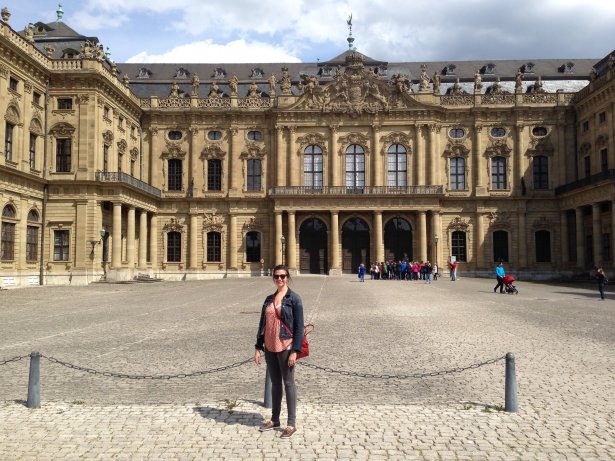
pixel 279 371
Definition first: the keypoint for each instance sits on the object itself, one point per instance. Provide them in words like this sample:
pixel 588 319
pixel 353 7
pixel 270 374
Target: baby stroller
pixel 508 285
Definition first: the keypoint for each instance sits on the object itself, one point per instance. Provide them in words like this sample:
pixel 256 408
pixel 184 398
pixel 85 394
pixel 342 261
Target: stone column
pixel 479 246
pixel 580 238
pixel 432 155
pixel 564 256
pixel 422 224
pixel 335 243
pixel 193 233
pixel 153 241
pixel 377 158
pixel 292 242
pixel 419 158
pixel 560 156
pixel 130 238
pixel 234 163
pixel 83 246
pixel 142 239
pixel 155 162
pixel 334 157
pixel 597 233
pixel 192 176
pixel 378 236
pixel 278 238
pixel 519 164
pixel 232 237
pixel 292 157
pixel 522 241
pixel 280 158
pixel 480 172
pixel 116 234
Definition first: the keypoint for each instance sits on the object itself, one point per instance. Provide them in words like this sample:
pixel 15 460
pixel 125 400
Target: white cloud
pixel 84 20
pixel 208 51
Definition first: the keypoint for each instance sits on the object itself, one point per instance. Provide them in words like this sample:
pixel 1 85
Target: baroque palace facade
pixel 184 171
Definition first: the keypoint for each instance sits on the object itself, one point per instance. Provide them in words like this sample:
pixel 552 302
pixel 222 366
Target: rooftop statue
pixel 195 85
pixel 233 85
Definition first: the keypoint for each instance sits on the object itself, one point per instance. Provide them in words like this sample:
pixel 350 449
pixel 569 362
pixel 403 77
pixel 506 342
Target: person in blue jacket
pixel 499 273
pixel 362 272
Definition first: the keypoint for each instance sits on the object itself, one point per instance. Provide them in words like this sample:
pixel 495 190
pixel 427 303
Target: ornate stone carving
pixel 213 222
pixel 36 127
pixel 174 102
pixel 423 79
pixel 62 130
pixel 311 139
pixel 540 146
pixel 174 225
pixel 396 138
pixel 122 146
pixel 498 148
pixel 542 223
pixel 272 83
pixel 499 219
pixel 285 83
pixel 173 150
pixel 12 115
pixel 83 99
pixel 215 102
pixel 353 138
pixel 212 151
pixel 458 224
pixel 233 85
pixel 134 153
pixel 254 91
pixel 498 98
pixel 195 85
pixel 253 150
pixel 108 137
pixel 455 148
pixel 601 141
pixel 540 98
pixel 457 100
pixel 252 224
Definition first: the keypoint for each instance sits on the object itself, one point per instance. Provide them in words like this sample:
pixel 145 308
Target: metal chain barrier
pixel 14 359
pixel 150 377
pixel 412 376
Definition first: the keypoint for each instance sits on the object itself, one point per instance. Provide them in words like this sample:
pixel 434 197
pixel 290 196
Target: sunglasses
pixel 279 276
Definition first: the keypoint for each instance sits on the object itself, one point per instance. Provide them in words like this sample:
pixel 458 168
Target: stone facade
pixel 113 171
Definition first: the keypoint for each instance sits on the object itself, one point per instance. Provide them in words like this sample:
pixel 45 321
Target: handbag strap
pixel 307 328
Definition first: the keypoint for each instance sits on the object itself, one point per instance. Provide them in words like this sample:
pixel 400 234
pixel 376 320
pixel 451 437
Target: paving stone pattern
pixel 562 337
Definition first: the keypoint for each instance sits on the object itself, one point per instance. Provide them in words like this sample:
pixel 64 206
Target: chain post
pixel 267 398
pixel 34 381
pixel 510 391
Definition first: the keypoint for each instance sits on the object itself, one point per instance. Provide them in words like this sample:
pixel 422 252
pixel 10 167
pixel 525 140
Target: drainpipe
pixel 141 148
pixel 41 273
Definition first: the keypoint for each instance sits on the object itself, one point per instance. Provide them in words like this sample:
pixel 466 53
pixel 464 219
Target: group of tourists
pixel 402 270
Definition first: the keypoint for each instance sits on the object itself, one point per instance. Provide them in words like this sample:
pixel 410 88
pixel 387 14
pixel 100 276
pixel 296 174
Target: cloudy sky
pixel 306 30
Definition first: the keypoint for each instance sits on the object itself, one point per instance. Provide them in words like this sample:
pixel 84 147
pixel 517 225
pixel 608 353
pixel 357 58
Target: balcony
pixel 352 191
pixel 588 181
pixel 109 176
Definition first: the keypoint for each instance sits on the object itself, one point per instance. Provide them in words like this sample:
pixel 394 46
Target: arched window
pixel 254 174
pixel 32 236
pixel 355 166
pixel 500 246
pixel 174 247
pixel 214 247
pixel 498 173
pixel 7 240
pixel 175 174
pixel 458 245
pixel 312 167
pixel 253 247
pixel 458 173
pixel 8 140
pixel 397 166
pixel 541 172
pixel 542 239
pixel 214 174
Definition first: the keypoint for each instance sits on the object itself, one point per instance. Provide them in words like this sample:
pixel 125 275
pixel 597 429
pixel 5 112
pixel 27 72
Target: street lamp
pixel 435 239
pixel 283 240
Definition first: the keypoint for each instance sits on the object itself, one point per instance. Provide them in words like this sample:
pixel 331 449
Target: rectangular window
pixel 254 175
pixel 120 123
pixel 60 245
pixel 214 174
pixel 175 174
pixel 63 155
pixel 105 158
pixel 585 126
pixel 397 169
pixel 132 167
pixel 32 243
pixel 7 243
pixel 174 247
pixel 106 111
pixel 65 103
pixel 8 141
pixel 541 172
pixel 602 117
pixel 214 247
pixel 458 245
pixel 604 160
pixel 132 131
pixel 458 173
pixel 36 98
pixel 32 151
pixel 13 83
pixel 120 159
pixel 587 166
pixel 498 173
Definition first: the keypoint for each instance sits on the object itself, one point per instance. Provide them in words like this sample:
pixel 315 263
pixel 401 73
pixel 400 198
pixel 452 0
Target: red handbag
pixel 305 344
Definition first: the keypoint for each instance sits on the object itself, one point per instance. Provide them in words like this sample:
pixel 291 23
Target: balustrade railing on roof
pixel 366 190
pixel 118 176
pixel 588 181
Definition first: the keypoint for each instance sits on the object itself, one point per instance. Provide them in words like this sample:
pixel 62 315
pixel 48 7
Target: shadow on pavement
pixel 231 417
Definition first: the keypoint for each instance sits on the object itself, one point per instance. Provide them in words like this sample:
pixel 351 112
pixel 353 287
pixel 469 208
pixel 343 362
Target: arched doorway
pixel 355 244
pixel 313 244
pixel 398 240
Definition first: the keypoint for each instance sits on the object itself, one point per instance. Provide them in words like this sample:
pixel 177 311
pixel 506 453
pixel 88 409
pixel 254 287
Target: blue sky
pixel 300 30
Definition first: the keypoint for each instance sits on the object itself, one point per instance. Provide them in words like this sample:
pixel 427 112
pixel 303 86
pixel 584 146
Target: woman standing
pixel 280 335
pixel 601 276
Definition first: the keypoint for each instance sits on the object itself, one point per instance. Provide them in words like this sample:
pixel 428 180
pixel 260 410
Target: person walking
pixel 453 270
pixel 280 335
pixel 362 272
pixel 499 273
pixel 602 280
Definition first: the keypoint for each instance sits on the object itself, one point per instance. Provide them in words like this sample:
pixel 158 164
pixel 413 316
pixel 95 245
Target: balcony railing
pixel 588 181
pixel 118 176
pixel 367 190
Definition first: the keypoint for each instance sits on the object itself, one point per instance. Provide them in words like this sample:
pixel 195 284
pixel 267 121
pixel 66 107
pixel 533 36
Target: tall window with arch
pixel 254 175
pixel 458 245
pixel 7 241
pixel 458 173
pixel 253 247
pixel 8 140
pixel 32 236
pixel 355 166
pixel 32 151
pixel 397 166
pixel 542 240
pixel 498 173
pixel 500 246
pixel 312 167
pixel 540 169
pixel 214 247
pixel 174 247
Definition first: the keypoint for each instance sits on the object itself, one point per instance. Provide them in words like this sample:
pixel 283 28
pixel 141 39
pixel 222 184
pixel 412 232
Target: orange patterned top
pixel 273 343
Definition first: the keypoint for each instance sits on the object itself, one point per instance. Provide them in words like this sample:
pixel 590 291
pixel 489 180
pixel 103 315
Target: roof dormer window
pixel 69 53
pixel 219 72
pixel 528 68
pixel 489 69
pixel 450 69
pixel 566 68
pixel 182 72
pixel 257 72
pixel 144 72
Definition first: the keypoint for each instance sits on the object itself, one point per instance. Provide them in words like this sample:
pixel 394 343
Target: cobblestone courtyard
pixel 562 337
